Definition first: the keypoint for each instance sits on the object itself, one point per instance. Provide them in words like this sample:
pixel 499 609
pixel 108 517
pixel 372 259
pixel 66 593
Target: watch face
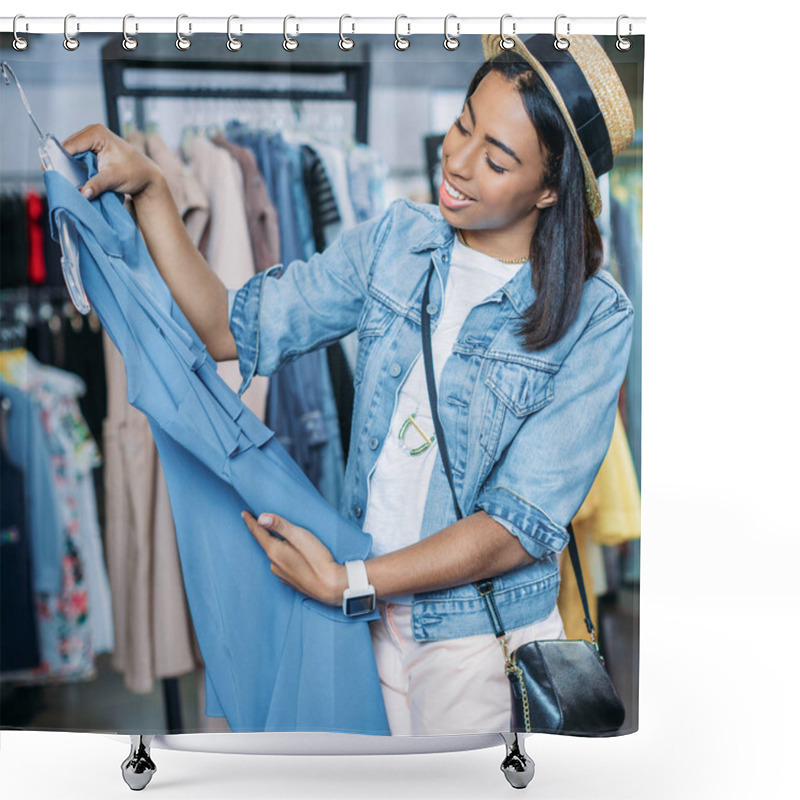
pixel 362 604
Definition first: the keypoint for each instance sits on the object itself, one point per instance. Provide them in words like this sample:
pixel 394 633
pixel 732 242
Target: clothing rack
pixel 126 76
pixel 151 54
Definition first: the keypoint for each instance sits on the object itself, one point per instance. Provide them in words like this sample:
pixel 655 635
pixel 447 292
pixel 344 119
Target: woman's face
pixel 492 154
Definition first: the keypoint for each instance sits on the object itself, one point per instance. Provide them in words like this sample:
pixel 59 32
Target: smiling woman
pixel 492 157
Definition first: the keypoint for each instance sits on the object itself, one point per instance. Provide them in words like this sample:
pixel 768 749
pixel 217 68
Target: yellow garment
pixel 611 515
pixel 11 362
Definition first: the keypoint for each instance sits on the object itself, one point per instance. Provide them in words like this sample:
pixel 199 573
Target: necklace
pixel 504 260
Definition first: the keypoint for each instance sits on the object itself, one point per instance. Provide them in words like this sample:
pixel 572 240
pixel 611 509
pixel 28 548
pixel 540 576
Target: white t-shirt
pixel 398 484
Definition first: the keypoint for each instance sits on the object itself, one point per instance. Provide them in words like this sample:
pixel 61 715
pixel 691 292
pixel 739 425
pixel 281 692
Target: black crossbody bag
pixel 557 685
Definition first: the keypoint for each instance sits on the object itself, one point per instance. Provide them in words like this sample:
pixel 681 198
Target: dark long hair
pixel 566 248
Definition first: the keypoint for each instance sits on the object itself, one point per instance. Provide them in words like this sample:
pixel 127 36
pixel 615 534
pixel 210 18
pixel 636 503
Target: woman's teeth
pixel 453 192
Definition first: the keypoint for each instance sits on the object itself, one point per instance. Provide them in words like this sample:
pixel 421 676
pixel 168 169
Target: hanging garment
pixel 300 404
pixel 275 659
pixel 190 197
pixel 19 645
pixel 262 218
pixel 36 266
pixel 13 242
pixel 28 450
pixel 151 614
pixel 366 176
pixel 610 515
pixel 228 249
pixel 68 639
pixel 325 219
pixel 154 634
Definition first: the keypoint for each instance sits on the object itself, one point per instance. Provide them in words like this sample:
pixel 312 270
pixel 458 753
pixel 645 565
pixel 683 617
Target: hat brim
pixel 492 47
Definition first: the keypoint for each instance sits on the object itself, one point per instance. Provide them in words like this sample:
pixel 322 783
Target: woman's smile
pixel 452 197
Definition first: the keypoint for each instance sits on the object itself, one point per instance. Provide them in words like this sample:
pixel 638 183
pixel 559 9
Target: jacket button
pixel 432 308
pixel 395 370
pixel 357 510
pixel 373 443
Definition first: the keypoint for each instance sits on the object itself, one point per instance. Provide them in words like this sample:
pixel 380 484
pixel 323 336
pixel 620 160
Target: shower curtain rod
pixel 298 25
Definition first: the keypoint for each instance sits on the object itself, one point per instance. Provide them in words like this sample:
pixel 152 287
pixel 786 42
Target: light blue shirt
pixel 526 431
pixel 275 659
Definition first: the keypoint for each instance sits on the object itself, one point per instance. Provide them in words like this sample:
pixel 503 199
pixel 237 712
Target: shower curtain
pixel 296 175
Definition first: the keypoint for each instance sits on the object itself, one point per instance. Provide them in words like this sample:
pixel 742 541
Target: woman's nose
pixel 459 161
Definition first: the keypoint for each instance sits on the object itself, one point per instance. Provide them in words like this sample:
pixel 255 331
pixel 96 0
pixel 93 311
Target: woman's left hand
pixel 299 559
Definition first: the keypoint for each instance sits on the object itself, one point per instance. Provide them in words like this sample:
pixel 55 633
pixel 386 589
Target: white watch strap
pixel 357 575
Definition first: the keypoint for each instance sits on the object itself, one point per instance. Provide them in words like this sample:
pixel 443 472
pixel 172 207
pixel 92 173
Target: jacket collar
pixel 440 234
pixel 518 289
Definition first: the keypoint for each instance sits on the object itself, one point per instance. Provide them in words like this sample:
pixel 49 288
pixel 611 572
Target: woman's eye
pixel 494 166
pixel 460 126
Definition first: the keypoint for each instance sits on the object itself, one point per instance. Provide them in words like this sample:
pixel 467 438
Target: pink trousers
pixel 451 686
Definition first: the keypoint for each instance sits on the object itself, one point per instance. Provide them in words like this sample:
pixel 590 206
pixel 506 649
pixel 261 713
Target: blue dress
pixel 276 660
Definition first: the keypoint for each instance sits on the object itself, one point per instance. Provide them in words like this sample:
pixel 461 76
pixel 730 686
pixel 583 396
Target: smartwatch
pixel 359 596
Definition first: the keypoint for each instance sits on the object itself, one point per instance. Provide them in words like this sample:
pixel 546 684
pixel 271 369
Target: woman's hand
pixel 120 166
pixel 299 559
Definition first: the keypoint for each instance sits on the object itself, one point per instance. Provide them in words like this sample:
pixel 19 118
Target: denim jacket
pixel 526 432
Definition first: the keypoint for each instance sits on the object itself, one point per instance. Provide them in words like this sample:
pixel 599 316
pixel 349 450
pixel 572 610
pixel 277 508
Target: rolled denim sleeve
pixel 541 480
pixel 288 310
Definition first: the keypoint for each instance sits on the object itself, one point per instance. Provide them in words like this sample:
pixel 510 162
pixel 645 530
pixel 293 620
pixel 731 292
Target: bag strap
pixel 485 587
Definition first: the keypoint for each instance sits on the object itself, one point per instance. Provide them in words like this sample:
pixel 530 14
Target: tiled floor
pixel 104 704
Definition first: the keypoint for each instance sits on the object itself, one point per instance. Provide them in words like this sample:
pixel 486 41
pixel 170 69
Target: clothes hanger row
pixel 294 119
pixel 52 308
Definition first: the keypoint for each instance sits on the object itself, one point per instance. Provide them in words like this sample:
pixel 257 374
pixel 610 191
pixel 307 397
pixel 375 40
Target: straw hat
pixel 589 93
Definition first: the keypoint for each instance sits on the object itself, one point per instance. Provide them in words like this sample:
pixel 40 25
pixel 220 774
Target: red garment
pixel 37 272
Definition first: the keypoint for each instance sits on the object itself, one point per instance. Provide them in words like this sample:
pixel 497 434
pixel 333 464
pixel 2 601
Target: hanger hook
pixel 233 44
pixel 561 42
pixel 451 42
pixel 622 43
pixel 506 42
pixel 288 42
pixel 129 42
pixel 400 42
pixel 182 43
pixel 19 43
pixel 70 42
pixel 345 42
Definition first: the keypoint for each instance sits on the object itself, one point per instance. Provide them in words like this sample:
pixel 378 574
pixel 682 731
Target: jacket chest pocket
pixel 372 326
pixel 512 392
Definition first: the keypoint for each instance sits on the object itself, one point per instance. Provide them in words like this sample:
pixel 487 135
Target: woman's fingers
pixel 301 538
pixel 120 166
pixel 104 180
pixel 92 137
pixel 297 556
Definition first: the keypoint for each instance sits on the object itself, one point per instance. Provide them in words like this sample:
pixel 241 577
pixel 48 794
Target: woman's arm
pixel 197 290
pixel 470 549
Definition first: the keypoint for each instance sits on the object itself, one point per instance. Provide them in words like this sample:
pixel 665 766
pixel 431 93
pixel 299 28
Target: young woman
pixel 530 345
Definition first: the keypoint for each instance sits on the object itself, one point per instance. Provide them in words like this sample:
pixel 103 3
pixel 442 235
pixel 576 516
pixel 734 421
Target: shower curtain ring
pixel 129 42
pixel 182 43
pixel 345 42
pixel 451 42
pixel 233 44
pixel 19 44
pixel 400 42
pixel 561 42
pixel 70 42
pixel 506 42
pixel 288 42
pixel 622 43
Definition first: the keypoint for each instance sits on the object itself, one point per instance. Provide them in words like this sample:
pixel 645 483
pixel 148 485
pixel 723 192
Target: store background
pixel 720 541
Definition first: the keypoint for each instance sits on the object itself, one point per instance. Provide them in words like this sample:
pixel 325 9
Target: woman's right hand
pixel 120 166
